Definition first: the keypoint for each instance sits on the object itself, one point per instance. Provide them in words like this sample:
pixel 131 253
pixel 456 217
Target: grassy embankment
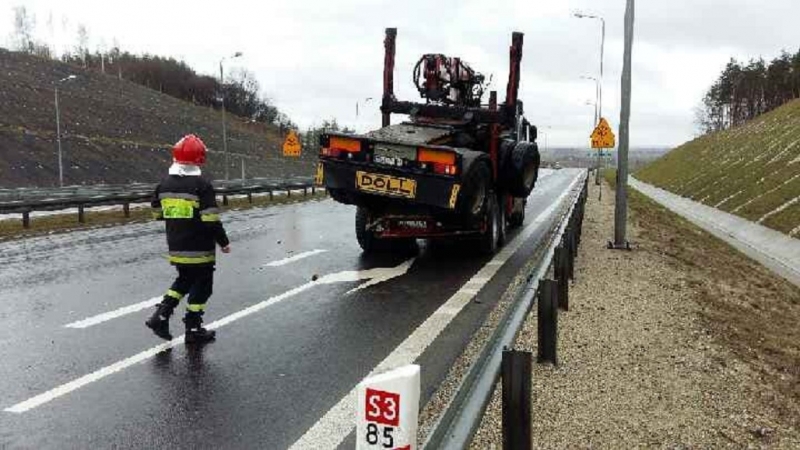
pixel 752 171
pixel 115 131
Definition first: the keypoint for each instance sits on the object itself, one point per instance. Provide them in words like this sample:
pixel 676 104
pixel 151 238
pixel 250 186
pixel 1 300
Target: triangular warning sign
pixel 602 136
pixel 291 146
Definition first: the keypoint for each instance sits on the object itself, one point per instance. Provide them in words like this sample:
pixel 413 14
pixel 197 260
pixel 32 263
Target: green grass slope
pixel 752 171
pixel 115 131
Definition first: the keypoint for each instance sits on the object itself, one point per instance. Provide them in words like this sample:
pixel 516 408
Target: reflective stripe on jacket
pixel 188 205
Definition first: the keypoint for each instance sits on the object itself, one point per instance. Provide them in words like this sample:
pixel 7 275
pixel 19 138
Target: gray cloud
pixel 317 59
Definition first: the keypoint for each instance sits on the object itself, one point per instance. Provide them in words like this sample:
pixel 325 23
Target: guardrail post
pixel 270 195
pixel 516 374
pixel 250 197
pixel 547 321
pixel 573 252
pixel 81 215
pixel 26 219
pixel 224 200
pixel 288 193
pixel 126 209
pixel 561 271
pixel 313 190
pixel 305 192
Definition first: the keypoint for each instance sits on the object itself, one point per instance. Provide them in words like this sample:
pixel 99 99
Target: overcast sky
pixel 315 59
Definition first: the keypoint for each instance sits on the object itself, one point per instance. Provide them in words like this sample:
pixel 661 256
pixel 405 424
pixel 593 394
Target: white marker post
pixel 388 410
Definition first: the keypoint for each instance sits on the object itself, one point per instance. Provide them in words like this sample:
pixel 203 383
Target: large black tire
pixel 475 190
pixel 520 168
pixel 516 218
pixel 501 220
pixel 488 241
pixel 340 196
pixel 366 238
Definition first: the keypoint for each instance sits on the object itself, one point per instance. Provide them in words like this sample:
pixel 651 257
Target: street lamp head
pixel 581 15
pixel 67 78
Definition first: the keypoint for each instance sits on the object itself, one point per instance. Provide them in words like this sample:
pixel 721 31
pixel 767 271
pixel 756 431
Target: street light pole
pixel 358 121
pixel 602 50
pixel 58 132
pixel 222 97
pixel 596 95
pixel 621 208
pixel 58 138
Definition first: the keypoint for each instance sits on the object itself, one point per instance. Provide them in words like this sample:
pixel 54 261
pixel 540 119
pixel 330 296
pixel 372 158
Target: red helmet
pixel 189 150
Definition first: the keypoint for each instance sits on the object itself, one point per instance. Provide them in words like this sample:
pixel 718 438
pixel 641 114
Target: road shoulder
pixel 683 342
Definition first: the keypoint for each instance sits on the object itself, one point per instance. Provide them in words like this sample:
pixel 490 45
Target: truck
pixel 456 168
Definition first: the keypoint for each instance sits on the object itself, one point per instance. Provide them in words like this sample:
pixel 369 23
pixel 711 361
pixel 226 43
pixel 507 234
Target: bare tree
pixel 24 25
pixel 83 42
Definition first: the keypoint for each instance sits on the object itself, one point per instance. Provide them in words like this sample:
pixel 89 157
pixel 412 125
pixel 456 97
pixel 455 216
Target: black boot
pixel 159 321
pixel 195 333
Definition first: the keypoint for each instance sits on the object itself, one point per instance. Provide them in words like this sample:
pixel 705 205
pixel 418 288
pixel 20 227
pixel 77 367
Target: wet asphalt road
pixel 272 373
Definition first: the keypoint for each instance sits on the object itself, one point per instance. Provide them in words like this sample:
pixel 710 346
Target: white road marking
pixel 104 317
pixel 384 274
pixel 100 318
pixel 340 277
pixel 294 258
pixel 339 421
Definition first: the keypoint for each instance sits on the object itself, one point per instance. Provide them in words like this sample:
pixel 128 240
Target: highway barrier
pixel 26 201
pixel 461 418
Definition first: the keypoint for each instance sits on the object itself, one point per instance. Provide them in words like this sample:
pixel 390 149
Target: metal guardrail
pixel 462 416
pixel 20 194
pixel 88 197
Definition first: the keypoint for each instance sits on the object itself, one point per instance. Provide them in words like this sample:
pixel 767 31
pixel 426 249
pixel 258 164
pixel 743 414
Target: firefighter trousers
pixel 195 281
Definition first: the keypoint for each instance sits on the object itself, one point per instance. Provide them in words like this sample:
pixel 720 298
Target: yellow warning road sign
pixel 291 146
pixel 602 136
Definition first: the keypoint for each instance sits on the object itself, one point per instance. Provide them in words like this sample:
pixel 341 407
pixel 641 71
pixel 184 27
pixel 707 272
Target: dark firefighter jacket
pixel 188 205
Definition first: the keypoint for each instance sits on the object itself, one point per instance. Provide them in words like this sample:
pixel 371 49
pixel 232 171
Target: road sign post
pixel 388 410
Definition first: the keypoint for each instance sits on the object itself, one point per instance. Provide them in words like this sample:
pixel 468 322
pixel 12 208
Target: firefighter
pixel 187 203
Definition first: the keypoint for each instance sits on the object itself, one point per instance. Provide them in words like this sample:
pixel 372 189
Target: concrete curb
pixel 774 250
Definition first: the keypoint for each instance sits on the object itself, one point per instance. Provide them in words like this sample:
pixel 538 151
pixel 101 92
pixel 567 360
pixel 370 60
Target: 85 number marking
pixel 373 436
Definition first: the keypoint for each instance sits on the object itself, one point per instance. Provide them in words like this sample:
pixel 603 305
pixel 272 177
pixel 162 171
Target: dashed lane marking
pixel 100 318
pixel 106 316
pixel 381 273
pixel 294 258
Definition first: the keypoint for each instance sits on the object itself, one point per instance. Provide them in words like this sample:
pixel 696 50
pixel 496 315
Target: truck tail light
pixel 446 169
pixel 335 146
pixel 427 155
pixel 345 144
pixel 442 161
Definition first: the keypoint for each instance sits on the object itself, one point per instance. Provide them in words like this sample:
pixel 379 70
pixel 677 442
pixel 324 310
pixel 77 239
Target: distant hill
pixel 115 131
pixel 752 170
pixel 586 157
